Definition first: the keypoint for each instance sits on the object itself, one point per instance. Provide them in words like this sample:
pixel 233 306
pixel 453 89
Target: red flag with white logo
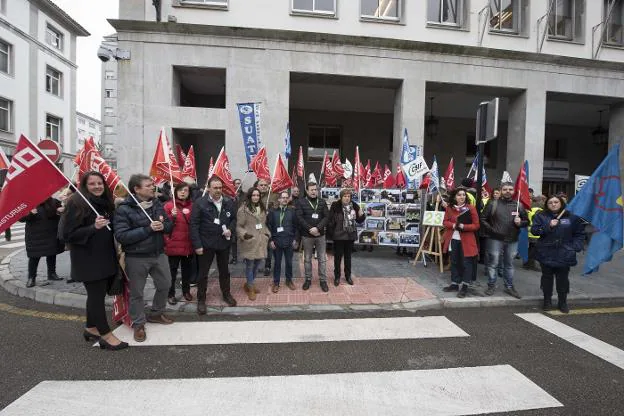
pixel 222 171
pixel 377 176
pixel 521 188
pixel 4 160
pixel 357 170
pixel 281 179
pixel 260 165
pixel 188 170
pixel 300 167
pixel 449 176
pixel 388 178
pixel 328 170
pixel 180 154
pixel 293 177
pixel 337 165
pixel 400 178
pixel 210 167
pixel 90 159
pixel 31 178
pixel 164 165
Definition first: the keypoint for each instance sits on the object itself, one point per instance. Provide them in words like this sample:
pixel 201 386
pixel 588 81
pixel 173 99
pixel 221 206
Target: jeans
pixel 186 263
pixel 137 269
pixel 309 244
pixel 251 269
pixel 561 275
pixel 496 249
pixel 462 268
pixel 33 264
pixel 205 261
pixel 96 311
pixel 287 253
pixel 342 248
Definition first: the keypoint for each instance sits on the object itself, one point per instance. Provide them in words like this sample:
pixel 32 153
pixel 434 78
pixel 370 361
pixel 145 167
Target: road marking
pixel 588 311
pixel 590 344
pixel 13 245
pixel 449 391
pixel 37 314
pixel 261 332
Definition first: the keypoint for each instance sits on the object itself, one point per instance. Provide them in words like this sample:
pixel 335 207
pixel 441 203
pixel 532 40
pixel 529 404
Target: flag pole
pixel 272 178
pixel 210 174
pixel 241 184
pixel 135 200
pixel 518 203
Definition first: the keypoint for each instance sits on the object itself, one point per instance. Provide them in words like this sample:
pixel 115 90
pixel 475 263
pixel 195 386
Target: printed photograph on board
pixel 409 240
pixel 395 224
pixel 395 210
pixel 412 228
pixel 370 195
pixel 388 238
pixel 367 237
pixel 377 224
pixel 412 213
pixel 376 209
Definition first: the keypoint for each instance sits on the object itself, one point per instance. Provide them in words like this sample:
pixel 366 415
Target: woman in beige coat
pixel 253 237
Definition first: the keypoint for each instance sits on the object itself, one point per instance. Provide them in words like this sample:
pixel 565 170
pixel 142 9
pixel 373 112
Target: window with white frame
pixel 54 37
pixel 566 20
pixel 108 111
pixel 54 81
pixel 381 9
pixel 109 74
pixel 508 15
pixel 5 57
pixel 327 7
pixel 446 12
pixel 109 93
pixel 218 3
pixel 614 22
pixel 54 128
pixel 6 113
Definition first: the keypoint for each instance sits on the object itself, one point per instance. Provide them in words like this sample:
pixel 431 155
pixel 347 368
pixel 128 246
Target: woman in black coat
pixel 41 236
pixel 561 236
pixel 341 228
pixel 92 253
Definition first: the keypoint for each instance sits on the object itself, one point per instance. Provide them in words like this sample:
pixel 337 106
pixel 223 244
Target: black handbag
pixel 116 282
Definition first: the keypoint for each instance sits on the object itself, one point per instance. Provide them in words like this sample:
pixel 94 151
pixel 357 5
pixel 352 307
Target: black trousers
pixel 560 274
pixel 96 311
pixel 33 263
pixel 186 263
pixel 462 268
pixel 234 246
pixel 342 249
pixel 205 261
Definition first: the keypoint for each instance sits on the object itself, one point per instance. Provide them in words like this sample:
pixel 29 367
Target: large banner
pixel 249 114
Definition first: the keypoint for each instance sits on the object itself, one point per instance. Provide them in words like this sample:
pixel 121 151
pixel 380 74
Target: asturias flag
pixel 600 202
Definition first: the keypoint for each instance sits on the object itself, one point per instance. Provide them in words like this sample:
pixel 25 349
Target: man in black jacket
pixel 312 216
pixel 142 241
pixel 282 223
pixel 501 221
pixel 213 221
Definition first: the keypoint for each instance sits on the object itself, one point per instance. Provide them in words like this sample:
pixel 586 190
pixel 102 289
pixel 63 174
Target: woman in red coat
pixel 178 244
pixel 461 221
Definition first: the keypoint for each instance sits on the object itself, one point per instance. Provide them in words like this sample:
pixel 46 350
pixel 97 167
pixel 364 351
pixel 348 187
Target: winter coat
pixel 205 232
pixel 41 232
pixel 133 231
pixel 467 235
pixel 273 203
pixel 290 233
pixel 253 226
pixel 178 243
pixel 305 209
pixel 335 225
pixel 497 220
pixel 92 251
pixel 557 247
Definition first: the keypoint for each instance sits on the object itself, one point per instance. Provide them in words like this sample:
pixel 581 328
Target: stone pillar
pixel 525 135
pixel 616 131
pixel 409 113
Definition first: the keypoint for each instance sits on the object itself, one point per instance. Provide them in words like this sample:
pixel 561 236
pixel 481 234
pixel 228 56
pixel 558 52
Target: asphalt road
pixel 49 347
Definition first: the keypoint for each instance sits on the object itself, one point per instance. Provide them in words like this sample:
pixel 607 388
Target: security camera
pixel 105 53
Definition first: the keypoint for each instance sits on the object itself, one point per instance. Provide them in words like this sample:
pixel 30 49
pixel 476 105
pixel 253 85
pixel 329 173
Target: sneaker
pixel 463 291
pixel 453 287
pixel 139 333
pixel 324 286
pixel 490 290
pixel 306 284
pixel 290 285
pixel 511 291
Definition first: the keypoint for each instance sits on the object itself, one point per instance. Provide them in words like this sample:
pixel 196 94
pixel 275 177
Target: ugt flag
pixel 249 114
pixel 30 180
pixel 600 203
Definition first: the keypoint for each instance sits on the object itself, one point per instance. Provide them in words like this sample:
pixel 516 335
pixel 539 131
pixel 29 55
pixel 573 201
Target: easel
pixel 431 244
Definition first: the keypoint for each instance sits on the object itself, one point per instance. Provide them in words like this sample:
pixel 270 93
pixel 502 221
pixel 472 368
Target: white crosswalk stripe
pixel 17 237
pixel 439 391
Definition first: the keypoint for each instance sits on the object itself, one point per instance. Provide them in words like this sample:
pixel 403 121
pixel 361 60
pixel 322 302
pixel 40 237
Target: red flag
pixel 210 167
pixel 449 176
pixel 222 171
pixel 31 178
pixel 328 170
pixel 424 184
pixel 300 167
pixel 189 171
pixel 337 165
pixel 164 165
pixel 4 160
pixel 89 159
pixel 521 188
pixel 260 165
pixel 293 177
pixel 388 179
pixel 281 179
pixel 400 177
pixel 180 154
pixel 377 176
pixel 357 170
pixel 368 175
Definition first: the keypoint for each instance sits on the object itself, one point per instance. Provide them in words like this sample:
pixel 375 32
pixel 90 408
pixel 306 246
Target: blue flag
pixel 287 147
pixel 407 153
pixel 600 202
pixel 523 237
pixel 434 184
pixel 249 114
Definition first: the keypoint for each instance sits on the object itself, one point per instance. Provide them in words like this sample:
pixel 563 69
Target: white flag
pixel 348 169
pixel 312 178
pixel 506 178
pixel 415 169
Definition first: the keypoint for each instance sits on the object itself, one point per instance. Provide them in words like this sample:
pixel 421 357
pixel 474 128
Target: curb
pixel 43 295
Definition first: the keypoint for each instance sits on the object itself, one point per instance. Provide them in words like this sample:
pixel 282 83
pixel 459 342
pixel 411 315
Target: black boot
pixel 31 282
pixel 563 303
pixel 54 276
pixel 547 304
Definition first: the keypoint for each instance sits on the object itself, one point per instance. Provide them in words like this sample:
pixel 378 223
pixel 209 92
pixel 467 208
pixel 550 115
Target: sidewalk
pixel 382 279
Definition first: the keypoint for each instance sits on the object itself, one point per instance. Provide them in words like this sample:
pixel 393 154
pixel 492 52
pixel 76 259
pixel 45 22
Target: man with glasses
pixel 284 237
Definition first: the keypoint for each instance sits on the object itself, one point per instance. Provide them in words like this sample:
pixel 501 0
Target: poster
pixel 388 239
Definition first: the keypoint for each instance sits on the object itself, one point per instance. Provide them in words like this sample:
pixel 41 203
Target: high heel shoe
pixel 106 346
pixel 88 336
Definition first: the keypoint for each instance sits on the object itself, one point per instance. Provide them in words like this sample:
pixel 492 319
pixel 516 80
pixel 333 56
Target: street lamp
pixel 431 125
pixel 600 135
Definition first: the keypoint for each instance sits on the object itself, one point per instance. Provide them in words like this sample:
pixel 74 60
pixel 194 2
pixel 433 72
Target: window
pixel 507 15
pixel 555 149
pixel 109 74
pixel 108 130
pixel 447 12
pixel 5 57
pixel 81 132
pixel 566 20
pixel 6 107
pixel 109 94
pixel 108 111
pixel 54 81
pixel 81 120
pixel 54 128
pixel 321 139
pixel 327 7
pixel 91 125
pixel 489 152
pixel 53 37
pixel 209 3
pixel 381 9
pixel 613 22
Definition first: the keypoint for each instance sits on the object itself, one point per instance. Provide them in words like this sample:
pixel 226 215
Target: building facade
pixel 358 72
pixel 87 126
pixel 38 73
pixel 109 104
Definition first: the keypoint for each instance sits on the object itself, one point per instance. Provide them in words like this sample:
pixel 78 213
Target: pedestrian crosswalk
pixel 457 390
pixel 17 237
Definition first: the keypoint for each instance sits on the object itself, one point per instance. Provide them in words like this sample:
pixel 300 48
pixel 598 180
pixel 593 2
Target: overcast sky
pixel 92 15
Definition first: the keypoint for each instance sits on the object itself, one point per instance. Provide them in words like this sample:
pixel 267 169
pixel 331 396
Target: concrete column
pixel 409 112
pixel 133 9
pixel 616 131
pixel 525 135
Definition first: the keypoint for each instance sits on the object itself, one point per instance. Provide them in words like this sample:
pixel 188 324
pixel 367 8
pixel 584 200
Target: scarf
pixel 347 224
pixel 146 204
